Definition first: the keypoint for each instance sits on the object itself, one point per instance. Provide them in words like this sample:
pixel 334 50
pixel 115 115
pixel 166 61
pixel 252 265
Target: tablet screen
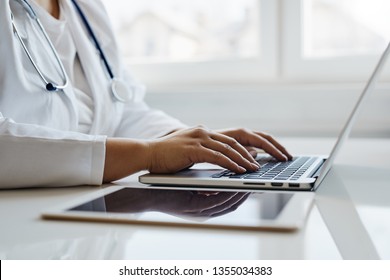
pixel 173 207
pixel 184 204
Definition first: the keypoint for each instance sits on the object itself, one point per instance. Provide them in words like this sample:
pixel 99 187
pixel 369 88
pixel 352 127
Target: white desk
pixel 350 219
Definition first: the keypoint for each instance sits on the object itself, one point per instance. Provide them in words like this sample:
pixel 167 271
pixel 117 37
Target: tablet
pixel 236 210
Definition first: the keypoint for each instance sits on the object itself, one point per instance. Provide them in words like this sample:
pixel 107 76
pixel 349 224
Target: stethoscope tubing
pixel 93 36
pixel 50 86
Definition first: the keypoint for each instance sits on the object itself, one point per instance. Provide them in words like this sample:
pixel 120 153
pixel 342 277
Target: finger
pixel 199 203
pixel 229 206
pixel 233 143
pixel 204 154
pixel 208 206
pixel 256 140
pixel 207 193
pixel 252 151
pixel 274 142
pixel 233 207
pixel 231 153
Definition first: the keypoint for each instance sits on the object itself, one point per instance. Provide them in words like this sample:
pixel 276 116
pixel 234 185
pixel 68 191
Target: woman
pixel 82 134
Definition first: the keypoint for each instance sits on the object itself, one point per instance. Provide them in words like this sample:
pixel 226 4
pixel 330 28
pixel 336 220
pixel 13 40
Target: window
pixel 177 30
pixel 333 40
pixel 345 27
pixel 204 41
pixel 250 41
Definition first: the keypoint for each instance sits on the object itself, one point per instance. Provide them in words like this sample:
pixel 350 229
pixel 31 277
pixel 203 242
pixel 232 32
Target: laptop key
pixel 252 177
pixel 237 176
pixel 281 178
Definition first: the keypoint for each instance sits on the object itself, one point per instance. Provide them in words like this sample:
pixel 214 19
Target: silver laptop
pixel 301 173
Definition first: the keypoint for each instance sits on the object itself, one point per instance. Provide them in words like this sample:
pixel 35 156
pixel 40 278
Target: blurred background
pixel 289 67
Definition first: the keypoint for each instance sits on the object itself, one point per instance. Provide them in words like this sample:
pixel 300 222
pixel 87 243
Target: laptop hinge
pixel 317 171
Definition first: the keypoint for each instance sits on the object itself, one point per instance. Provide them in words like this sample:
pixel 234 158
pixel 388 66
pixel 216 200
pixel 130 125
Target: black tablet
pixel 232 209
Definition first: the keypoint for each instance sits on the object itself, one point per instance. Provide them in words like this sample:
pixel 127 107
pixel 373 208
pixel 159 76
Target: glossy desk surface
pixel 350 219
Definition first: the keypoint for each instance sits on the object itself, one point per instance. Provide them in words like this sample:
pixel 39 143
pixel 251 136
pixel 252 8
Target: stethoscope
pixel 120 91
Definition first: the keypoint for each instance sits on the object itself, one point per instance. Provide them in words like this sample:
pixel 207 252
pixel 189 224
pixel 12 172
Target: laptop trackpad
pixel 197 173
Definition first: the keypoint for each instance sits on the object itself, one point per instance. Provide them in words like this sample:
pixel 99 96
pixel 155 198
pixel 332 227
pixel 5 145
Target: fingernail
pixel 242 169
pixel 255 166
pixel 253 154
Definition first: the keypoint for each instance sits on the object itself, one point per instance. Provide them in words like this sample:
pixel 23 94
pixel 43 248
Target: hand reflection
pixel 177 202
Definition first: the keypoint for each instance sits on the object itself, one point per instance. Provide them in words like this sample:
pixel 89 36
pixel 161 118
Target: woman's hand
pixel 183 148
pixel 231 149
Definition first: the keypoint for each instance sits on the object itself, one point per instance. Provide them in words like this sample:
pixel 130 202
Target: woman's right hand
pixel 183 148
pixel 186 147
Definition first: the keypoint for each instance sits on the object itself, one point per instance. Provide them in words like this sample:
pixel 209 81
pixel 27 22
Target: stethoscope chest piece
pixel 121 91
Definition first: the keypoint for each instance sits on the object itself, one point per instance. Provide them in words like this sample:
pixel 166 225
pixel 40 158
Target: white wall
pixel 282 110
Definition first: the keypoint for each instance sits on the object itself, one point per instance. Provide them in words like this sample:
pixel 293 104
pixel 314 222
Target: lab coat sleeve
pixel 36 156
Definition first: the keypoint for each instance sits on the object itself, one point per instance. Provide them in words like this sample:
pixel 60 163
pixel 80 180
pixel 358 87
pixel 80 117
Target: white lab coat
pixel 39 142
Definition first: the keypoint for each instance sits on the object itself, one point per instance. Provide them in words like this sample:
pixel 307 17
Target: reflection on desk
pixel 176 202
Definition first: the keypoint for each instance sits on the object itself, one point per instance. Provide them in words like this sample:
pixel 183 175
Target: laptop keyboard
pixel 273 170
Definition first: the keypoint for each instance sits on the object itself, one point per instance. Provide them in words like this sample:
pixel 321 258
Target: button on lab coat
pixel 39 142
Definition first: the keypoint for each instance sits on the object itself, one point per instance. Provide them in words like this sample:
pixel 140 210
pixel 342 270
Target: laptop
pixel 301 173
